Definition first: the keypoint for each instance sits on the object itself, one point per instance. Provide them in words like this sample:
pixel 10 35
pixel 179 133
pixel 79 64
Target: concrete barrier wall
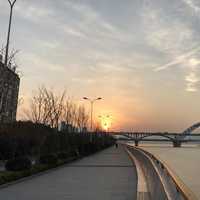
pixel 161 181
pixel 155 186
pixel 168 181
pixel 173 184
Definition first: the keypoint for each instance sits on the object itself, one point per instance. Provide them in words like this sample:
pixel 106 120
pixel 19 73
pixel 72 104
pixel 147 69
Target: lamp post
pixel 12 3
pixel 91 109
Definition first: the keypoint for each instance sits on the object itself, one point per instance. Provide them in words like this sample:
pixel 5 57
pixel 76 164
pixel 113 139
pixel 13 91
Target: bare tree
pixel 11 58
pixel 68 111
pixel 46 107
pixel 49 108
pixel 34 113
pixel 57 105
pixel 82 118
pixel 2 50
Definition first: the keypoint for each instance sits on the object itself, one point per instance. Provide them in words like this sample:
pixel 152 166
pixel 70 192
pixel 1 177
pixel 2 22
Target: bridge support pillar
pixel 136 143
pixel 176 143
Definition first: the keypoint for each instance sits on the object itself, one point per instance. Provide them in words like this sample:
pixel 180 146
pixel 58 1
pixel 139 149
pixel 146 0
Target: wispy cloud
pixel 74 32
pixel 177 42
pixel 192 81
pixel 33 12
pixel 165 33
pixel 178 60
pixel 191 64
pixel 89 15
pixel 39 64
pixel 90 24
pixel 193 5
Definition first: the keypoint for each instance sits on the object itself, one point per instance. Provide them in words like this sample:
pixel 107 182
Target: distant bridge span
pixel 176 138
pixel 191 128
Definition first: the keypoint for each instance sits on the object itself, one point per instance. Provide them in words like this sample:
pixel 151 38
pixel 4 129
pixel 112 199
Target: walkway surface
pixel 184 162
pixel 108 175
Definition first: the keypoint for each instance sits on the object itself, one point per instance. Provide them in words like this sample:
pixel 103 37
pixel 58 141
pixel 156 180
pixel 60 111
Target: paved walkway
pixel 108 175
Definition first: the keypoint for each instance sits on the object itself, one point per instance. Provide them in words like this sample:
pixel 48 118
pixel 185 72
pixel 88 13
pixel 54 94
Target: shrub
pixel 74 152
pixel 9 177
pixel 63 155
pixel 49 159
pixel 18 164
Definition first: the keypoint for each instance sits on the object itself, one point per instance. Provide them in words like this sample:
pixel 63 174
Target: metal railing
pixel 160 177
pixel 155 185
pixel 182 190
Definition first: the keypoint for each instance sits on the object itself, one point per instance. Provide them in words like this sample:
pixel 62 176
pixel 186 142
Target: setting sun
pixel 105 122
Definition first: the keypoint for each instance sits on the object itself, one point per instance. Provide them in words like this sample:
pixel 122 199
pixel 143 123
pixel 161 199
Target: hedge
pixel 18 164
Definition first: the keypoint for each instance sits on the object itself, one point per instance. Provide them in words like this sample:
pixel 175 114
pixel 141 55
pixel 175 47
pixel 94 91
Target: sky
pixel 141 56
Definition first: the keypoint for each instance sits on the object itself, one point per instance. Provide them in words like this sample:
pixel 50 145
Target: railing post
pixel 136 143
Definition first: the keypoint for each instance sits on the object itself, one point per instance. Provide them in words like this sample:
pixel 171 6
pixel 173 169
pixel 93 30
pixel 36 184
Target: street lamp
pixel 91 109
pixel 12 3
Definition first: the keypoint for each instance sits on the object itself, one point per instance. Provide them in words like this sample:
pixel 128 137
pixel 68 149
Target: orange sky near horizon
pixel 144 63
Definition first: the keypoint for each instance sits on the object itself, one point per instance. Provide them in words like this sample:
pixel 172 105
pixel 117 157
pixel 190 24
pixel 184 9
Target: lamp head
pixel 12 2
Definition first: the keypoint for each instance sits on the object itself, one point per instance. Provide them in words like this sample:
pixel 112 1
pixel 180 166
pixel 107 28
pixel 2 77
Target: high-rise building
pixel 9 89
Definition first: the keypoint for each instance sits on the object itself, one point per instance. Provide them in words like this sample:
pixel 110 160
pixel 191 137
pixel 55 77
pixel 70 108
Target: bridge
pixel 176 138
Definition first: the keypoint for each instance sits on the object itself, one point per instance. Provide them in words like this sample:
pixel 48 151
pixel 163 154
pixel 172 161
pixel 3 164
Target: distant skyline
pixel 141 56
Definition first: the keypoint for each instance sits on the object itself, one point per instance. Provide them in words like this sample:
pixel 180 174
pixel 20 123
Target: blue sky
pixel 141 56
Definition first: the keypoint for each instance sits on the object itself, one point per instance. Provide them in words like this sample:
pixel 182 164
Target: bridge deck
pixel 184 161
pixel 107 175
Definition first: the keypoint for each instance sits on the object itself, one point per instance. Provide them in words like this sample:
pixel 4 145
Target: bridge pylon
pixel 136 143
pixel 177 143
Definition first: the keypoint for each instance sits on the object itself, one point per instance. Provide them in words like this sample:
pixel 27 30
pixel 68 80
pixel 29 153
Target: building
pixel 63 126
pixel 66 127
pixel 9 89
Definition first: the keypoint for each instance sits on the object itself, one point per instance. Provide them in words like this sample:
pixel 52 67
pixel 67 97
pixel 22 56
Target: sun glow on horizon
pixel 105 122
